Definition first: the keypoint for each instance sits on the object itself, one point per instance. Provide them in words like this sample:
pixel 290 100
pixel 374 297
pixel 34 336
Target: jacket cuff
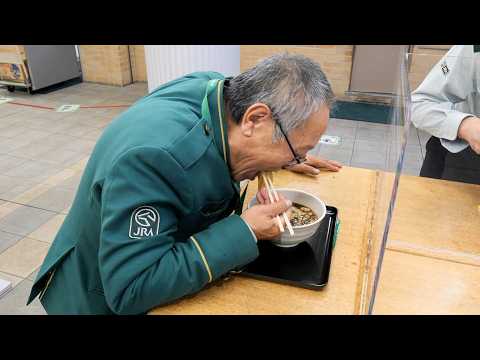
pixel 226 245
pixel 251 230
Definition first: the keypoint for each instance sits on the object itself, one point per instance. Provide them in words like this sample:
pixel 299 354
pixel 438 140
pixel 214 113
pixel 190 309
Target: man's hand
pixel 469 130
pixel 262 218
pixel 313 165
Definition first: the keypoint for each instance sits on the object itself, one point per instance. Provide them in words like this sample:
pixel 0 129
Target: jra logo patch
pixel 144 222
pixel 445 69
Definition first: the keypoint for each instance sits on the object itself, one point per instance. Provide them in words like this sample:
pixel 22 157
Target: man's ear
pixel 256 116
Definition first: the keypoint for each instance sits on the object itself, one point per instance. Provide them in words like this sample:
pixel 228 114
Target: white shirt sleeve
pixel 433 103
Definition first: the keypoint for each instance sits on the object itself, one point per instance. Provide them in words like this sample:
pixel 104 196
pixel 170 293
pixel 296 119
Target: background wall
pixel 139 68
pixel 109 64
pixel 335 60
pixel 105 64
pixel 113 64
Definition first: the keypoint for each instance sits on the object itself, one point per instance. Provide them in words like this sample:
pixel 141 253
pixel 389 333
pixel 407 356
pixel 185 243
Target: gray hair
pixel 292 86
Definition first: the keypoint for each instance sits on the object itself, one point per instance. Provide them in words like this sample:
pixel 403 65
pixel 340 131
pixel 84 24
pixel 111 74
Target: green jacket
pixel 151 221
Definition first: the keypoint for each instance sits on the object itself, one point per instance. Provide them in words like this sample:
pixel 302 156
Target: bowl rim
pixel 307 193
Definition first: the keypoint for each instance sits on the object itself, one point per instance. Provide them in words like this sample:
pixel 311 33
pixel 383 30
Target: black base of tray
pixel 306 265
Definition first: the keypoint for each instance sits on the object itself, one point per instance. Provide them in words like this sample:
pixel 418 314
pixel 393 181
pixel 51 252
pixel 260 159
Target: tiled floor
pixel 373 146
pixel 43 154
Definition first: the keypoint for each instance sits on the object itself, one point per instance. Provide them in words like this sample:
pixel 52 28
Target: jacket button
pixel 206 129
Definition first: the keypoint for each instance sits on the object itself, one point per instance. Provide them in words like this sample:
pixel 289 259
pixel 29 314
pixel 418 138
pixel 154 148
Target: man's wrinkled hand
pixel 313 165
pixel 262 218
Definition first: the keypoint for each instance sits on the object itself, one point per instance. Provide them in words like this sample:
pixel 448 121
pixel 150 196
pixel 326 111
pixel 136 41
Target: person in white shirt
pixel 447 106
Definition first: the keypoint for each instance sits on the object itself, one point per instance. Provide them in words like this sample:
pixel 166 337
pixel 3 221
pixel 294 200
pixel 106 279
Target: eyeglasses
pixel 297 159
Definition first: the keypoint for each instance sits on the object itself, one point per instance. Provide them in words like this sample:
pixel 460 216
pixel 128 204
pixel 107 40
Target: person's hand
pixel 313 165
pixel 262 218
pixel 262 196
pixel 469 130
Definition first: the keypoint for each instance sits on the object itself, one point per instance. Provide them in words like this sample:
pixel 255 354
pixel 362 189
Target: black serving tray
pixel 306 265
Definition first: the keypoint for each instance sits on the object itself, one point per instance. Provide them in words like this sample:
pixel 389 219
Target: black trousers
pixel 439 163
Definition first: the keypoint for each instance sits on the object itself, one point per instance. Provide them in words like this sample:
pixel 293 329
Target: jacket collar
pixel 219 121
pixel 219 124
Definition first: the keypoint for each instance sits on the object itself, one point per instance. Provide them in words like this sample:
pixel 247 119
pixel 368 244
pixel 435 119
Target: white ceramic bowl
pixel 302 232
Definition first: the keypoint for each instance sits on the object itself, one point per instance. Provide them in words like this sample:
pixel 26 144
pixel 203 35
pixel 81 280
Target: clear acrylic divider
pixel 428 259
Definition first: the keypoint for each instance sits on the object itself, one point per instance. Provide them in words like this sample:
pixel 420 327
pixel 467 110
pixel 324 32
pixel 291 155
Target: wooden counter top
pixel 431 264
pixel 351 191
pixel 432 261
pixel 438 219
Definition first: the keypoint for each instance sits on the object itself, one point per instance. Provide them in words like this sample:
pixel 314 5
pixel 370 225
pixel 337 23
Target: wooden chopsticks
pixel 270 189
pixel 280 225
